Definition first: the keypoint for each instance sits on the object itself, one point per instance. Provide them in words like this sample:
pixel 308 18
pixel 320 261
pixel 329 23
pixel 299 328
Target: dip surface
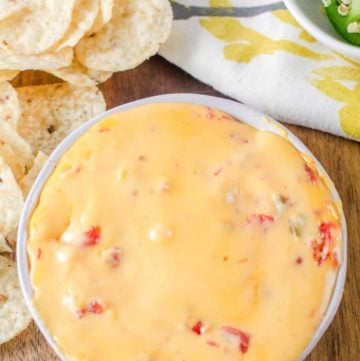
pixel 172 232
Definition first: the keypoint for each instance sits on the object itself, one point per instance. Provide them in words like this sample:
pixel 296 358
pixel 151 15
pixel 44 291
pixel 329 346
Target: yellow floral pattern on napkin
pixel 231 31
pixel 243 44
pixel 330 84
pixel 286 17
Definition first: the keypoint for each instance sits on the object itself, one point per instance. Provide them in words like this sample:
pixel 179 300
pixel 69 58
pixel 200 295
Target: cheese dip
pixel 173 232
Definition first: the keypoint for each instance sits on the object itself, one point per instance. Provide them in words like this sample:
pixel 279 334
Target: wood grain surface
pixel 340 157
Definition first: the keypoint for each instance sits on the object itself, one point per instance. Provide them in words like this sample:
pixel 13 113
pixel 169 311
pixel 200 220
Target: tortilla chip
pixel 9 105
pixel 11 201
pixel 55 60
pixel 4 247
pixel 7 75
pixel 51 112
pixel 83 17
pixel 14 315
pixel 104 15
pixel 28 180
pixel 15 151
pixel 36 28
pixel 79 75
pixel 9 7
pixel 134 33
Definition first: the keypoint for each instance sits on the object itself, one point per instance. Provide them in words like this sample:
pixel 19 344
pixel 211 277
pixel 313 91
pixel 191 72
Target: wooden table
pixel 340 157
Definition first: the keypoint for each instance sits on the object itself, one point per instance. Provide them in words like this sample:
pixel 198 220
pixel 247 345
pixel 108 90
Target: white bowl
pixel 308 14
pixel 239 111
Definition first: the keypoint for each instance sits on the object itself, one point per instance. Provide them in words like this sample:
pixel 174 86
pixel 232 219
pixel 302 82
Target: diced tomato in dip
pixel 187 235
pixel 323 247
pixel 198 328
pixel 92 236
pixel 260 218
pixel 242 339
pixel 310 173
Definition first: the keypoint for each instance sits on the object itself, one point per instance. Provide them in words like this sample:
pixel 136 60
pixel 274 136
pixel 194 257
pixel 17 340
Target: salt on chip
pixel 7 75
pixel 51 112
pixel 83 17
pixel 4 247
pixel 104 15
pixel 15 151
pixel 134 33
pixel 9 105
pixel 14 316
pixel 11 201
pixel 9 7
pixel 77 74
pixel 28 180
pixel 59 59
pixel 36 28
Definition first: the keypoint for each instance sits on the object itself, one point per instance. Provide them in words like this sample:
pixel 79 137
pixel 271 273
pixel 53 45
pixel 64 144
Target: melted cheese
pixel 172 232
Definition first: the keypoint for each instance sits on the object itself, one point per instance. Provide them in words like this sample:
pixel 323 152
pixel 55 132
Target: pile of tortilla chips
pixel 82 42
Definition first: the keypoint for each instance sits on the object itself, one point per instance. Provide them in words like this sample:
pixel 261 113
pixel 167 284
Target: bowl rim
pixel 241 112
pixel 319 34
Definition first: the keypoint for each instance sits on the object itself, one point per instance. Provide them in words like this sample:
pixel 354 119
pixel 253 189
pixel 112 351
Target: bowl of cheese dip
pixel 182 227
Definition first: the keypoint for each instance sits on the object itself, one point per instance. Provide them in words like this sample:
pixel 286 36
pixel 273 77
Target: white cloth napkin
pixel 255 52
